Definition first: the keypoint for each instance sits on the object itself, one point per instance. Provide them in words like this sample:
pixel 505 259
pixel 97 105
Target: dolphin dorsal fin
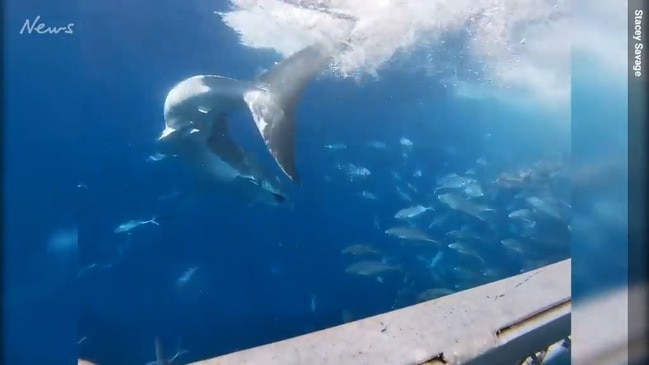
pixel 272 102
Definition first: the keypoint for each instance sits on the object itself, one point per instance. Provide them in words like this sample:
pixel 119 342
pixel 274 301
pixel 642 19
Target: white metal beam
pixel 498 323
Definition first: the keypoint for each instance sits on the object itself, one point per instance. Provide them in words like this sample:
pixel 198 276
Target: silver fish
pixel 465 250
pixel 456 202
pixel 473 190
pixel 520 214
pixel 314 302
pixel 436 259
pixel 409 233
pixel 186 276
pixel 335 146
pixel 546 206
pixel 513 244
pixel 370 268
pixel 463 233
pixel 359 250
pixel 130 225
pixel 367 195
pixel 452 181
pixel 411 212
pixel 156 157
pixel 433 293
pixel 377 144
pixel 405 196
pixel 354 170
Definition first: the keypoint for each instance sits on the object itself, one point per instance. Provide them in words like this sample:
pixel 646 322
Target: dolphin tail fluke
pixel 273 101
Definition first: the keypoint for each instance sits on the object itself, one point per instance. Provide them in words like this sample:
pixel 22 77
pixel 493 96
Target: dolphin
pixel 197 111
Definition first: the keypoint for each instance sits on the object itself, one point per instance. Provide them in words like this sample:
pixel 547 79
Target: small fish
pixel 186 276
pixel 367 195
pixel 417 173
pixel 438 257
pixel 524 217
pixel 509 182
pixel 492 274
pixel 405 196
pixel 473 190
pixel 335 146
pixel 204 109
pixel 378 145
pixel 411 212
pixel 514 245
pixel 460 234
pixel 156 157
pixel 130 225
pixel 465 250
pixel 96 266
pixel 359 250
pixel 406 142
pixel 521 214
pixel 528 224
pixel 438 221
pixel 370 268
pixel 452 181
pixel 354 170
pixel 546 206
pixel 377 223
pixel 314 302
pixel 456 202
pixel 466 273
pixel 433 293
pixel 409 233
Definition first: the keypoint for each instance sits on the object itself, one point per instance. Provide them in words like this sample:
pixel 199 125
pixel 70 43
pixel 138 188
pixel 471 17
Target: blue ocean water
pixel 82 115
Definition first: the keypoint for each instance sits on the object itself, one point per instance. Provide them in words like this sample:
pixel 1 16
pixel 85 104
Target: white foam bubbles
pixel 492 57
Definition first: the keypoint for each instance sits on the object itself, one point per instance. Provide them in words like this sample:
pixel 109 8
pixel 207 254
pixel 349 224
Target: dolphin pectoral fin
pixel 221 144
pixel 166 133
pixel 272 103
